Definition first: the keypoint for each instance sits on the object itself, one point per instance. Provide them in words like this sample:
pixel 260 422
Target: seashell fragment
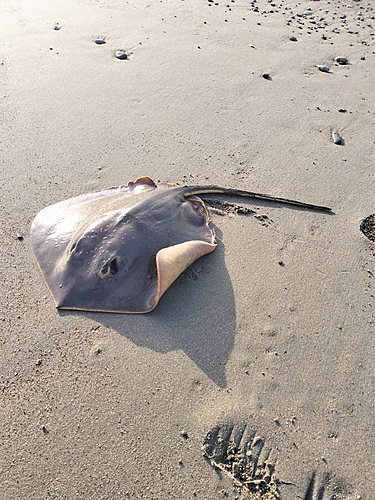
pixel 323 68
pixel 121 54
pixel 341 60
pixel 337 139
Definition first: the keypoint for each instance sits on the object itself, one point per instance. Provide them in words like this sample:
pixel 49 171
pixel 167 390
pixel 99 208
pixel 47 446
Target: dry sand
pixel 271 337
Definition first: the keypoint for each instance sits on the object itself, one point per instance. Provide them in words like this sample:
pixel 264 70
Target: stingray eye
pixel 110 267
pixel 113 266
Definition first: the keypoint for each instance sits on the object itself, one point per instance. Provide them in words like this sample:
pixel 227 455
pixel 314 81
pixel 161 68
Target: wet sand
pixel 261 354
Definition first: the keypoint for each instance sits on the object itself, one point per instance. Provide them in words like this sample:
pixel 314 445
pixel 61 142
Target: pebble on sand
pixel 325 69
pixel 121 54
pixel 99 41
pixel 337 139
pixel 266 76
pixel 293 38
pixel 341 60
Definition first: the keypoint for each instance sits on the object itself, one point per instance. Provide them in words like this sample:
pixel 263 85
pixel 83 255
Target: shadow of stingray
pixel 196 315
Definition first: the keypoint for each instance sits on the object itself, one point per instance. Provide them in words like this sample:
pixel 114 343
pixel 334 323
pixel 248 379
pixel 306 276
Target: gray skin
pixel 98 252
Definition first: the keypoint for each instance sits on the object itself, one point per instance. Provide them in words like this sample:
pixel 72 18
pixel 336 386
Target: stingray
pixel 119 250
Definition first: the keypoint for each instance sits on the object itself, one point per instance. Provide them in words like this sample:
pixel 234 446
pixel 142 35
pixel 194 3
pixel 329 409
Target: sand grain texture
pixel 274 331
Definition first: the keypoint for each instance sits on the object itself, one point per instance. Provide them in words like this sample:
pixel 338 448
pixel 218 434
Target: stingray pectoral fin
pixel 172 261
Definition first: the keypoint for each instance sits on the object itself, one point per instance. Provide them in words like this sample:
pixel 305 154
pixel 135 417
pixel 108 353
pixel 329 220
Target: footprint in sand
pixel 241 453
pixel 324 488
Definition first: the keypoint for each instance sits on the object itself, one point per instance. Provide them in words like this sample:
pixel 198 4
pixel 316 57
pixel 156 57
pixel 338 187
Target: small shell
pixel 337 139
pixel 121 54
pixel 325 69
pixel 341 60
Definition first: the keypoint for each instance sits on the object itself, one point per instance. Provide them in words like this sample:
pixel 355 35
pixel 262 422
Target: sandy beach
pixel 254 376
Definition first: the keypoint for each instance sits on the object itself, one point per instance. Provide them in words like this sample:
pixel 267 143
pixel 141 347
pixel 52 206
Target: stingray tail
pixel 200 190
